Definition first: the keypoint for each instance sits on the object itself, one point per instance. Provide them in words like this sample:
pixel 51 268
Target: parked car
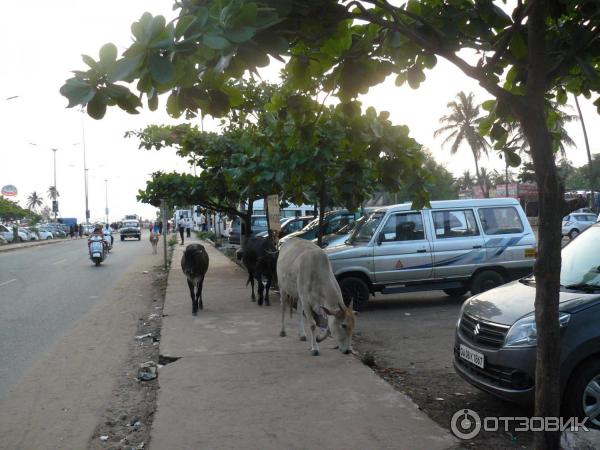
pixel 7 233
pixel 258 223
pixel 44 233
pixel 56 230
pixel 583 210
pixel 574 224
pixel 290 225
pixel 455 246
pixel 131 228
pixel 342 235
pixel 332 222
pixel 495 340
pixel 28 235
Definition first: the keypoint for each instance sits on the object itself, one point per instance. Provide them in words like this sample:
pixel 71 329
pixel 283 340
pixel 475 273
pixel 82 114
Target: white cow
pixel 304 274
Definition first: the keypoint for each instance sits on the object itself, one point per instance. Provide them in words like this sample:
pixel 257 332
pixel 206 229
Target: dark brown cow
pixel 260 259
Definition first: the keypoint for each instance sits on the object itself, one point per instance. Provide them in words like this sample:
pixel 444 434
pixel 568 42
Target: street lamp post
pixel 54 150
pixel 85 169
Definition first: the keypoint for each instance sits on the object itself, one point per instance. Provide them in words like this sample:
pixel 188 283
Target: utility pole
pixel 85 169
pixel 106 200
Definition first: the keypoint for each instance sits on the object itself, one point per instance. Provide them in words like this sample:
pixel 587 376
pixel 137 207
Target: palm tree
pixel 53 193
pixel 34 201
pixel 462 125
pixel 466 181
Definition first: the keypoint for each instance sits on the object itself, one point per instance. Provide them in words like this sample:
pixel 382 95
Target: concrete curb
pixel 237 384
pixel 22 245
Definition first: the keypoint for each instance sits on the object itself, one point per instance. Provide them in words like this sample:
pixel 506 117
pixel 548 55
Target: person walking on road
pixel 188 225
pixel 80 231
pixel 72 231
pixel 181 227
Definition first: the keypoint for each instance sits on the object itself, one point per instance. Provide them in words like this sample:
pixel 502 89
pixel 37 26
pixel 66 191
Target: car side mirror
pixel 380 238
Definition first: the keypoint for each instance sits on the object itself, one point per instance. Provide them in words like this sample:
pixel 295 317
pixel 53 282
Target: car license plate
pixel 472 356
pixel 530 253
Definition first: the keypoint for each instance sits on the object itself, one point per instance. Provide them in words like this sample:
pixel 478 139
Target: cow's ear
pixel 326 311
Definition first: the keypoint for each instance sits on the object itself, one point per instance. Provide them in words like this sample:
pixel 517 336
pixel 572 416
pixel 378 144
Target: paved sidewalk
pixel 238 385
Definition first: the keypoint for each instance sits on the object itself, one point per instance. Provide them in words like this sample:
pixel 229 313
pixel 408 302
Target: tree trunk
pixel 589 155
pixel 547 272
pixel 322 204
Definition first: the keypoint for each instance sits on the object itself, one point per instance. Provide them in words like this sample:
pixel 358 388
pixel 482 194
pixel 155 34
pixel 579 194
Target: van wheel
pixel 122 238
pixel 582 397
pixel 456 292
pixel 486 280
pixel 355 291
pixel 573 234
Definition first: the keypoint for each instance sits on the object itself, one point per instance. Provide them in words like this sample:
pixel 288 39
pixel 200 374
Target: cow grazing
pixel 260 258
pixel 154 238
pixel 194 264
pixel 304 274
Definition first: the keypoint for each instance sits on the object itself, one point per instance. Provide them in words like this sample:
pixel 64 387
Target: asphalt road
pixel 45 290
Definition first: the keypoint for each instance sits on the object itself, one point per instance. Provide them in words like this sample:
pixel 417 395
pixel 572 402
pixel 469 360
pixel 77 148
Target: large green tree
pixel 522 55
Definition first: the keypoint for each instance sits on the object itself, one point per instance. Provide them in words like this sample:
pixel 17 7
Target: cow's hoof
pixel 253 299
pixel 267 303
pixel 195 313
pixel 282 334
pixel 314 352
pixel 260 302
pixel 303 338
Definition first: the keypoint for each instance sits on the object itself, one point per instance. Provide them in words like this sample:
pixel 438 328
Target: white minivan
pixel 455 246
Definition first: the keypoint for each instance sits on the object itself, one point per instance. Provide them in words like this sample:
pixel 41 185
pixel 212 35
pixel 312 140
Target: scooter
pixel 97 249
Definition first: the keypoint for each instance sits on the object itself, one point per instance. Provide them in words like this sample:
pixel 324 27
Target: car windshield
pixel 364 232
pixel 351 226
pixel 130 224
pixel 581 260
pixel 315 222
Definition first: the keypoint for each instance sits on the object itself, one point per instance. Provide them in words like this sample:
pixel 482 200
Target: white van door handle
pixel 422 250
pixel 477 246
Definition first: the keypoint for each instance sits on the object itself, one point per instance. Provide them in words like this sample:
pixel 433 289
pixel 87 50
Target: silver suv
pixel 455 246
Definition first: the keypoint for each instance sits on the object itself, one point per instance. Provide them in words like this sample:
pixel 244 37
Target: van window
pixel 500 220
pixel 404 227
pixel 450 224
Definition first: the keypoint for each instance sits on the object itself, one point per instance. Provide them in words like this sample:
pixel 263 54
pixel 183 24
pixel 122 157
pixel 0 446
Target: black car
pixel 332 222
pixel 496 336
pixel 130 229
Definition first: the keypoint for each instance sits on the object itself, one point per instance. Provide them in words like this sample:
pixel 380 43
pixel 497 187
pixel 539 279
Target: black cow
pixel 260 259
pixel 194 264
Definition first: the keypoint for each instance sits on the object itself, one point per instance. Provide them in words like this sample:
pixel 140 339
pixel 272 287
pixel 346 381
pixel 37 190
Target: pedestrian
pixel 202 223
pixel 168 227
pixel 181 227
pixel 80 231
pixel 160 227
pixel 72 231
pixel 188 225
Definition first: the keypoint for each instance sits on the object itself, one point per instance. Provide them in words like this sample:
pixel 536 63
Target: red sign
pixel 9 190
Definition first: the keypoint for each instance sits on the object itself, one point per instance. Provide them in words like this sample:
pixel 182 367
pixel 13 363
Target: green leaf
pixel 215 41
pixel 157 26
pixel 518 46
pixel 161 69
pixel 415 77
pixel 488 105
pixel 173 105
pixel 77 91
pixel 183 24
pixel 561 96
pixel 124 68
pixel 429 60
pixel 401 79
pixel 90 61
pixel 153 102
pixel 108 54
pixel 96 108
pixel 497 132
pixel 242 34
pixel 513 159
